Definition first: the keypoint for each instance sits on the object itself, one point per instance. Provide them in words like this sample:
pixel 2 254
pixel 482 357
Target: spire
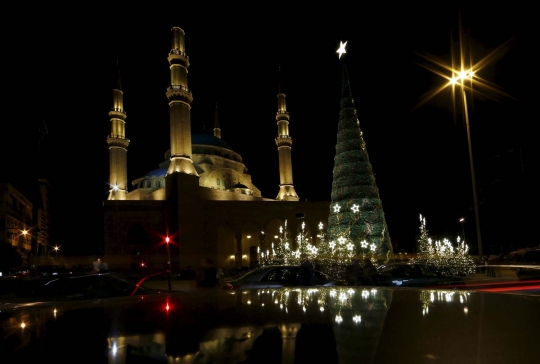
pixel 279 79
pixel 118 85
pixel 217 130
pixel 356 214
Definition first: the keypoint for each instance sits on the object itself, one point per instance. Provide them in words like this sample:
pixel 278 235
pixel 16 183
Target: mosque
pixel 200 202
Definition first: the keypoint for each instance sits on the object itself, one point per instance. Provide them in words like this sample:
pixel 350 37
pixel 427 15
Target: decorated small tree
pixel 442 254
pixel 281 253
pixel 423 242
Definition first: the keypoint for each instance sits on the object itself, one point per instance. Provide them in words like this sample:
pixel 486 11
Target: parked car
pixel 413 275
pixel 78 287
pixel 529 265
pixel 278 276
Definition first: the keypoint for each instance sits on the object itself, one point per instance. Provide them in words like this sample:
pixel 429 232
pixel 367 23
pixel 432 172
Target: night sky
pixel 61 66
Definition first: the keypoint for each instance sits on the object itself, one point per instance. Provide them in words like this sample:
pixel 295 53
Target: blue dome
pixel 207 139
pixel 160 172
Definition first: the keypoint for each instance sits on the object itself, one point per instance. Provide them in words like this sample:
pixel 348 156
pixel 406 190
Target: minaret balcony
pixel 117 113
pixel 282 117
pixel 115 140
pixel 177 56
pixel 283 141
pixel 179 92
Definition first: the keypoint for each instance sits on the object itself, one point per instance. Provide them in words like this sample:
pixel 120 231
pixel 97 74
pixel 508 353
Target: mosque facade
pixel 201 202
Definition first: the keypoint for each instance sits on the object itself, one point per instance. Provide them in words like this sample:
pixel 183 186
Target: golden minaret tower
pixel 217 130
pixel 117 145
pixel 180 99
pixel 284 143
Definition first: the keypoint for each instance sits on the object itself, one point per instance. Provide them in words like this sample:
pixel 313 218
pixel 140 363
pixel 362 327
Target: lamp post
pixel 459 79
pixel 301 216
pixel 461 221
pixel 167 239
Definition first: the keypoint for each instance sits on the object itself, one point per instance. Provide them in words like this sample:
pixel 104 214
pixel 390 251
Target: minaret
pixel 217 130
pixel 284 142
pixel 118 145
pixel 180 99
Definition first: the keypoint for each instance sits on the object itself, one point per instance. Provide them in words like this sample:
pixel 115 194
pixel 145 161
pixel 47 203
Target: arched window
pixel 217 181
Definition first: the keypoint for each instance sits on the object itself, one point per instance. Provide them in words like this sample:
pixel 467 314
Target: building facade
pixel 201 195
pixel 16 219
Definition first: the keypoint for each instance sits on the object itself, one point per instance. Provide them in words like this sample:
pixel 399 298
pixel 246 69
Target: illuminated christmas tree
pixel 356 224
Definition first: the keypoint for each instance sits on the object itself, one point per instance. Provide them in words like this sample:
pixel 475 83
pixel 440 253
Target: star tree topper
pixel 341 49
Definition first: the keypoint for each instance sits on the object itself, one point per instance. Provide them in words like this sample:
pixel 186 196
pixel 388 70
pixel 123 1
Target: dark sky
pixel 61 66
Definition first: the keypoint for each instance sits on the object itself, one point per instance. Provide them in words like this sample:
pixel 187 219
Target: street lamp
pixel 458 79
pixel 301 216
pixel 167 239
pixel 461 221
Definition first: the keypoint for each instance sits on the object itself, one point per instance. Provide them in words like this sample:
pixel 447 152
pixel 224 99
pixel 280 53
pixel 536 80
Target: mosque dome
pixel 208 139
pixel 203 145
pixel 159 172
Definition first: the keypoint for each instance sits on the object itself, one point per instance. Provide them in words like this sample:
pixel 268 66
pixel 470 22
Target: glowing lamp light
pixel 167 239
